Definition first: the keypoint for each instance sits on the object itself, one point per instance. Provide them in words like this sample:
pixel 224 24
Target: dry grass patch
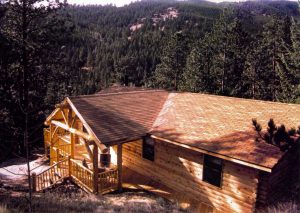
pixel 70 198
pixel 3 209
pixel 287 207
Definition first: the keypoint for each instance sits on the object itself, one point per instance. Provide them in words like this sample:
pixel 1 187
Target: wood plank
pixel 239 184
pixel 166 171
pixel 188 188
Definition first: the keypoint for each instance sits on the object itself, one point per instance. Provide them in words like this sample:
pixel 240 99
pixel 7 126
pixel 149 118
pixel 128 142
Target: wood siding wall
pixel 272 186
pixel 181 169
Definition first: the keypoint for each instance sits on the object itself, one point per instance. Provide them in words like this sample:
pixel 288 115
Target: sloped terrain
pixel 67 197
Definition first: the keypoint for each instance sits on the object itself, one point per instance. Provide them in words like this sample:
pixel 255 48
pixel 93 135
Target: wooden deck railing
pixel 81 175
pixel 108 181
pixel 50 176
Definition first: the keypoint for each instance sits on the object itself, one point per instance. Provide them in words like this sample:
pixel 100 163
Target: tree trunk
pixel 25 92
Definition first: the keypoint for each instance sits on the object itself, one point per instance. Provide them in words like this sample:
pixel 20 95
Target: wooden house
pixel 200 148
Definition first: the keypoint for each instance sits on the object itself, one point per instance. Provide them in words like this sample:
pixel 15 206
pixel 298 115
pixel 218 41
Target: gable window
pixel 212 170
pixel 148 148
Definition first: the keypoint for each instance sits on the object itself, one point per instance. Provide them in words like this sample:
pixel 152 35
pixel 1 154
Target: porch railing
pixel 81 175
pixel 52 175
pixel 65 150
pixel 59 151
pixel 62 166
pixel 108 181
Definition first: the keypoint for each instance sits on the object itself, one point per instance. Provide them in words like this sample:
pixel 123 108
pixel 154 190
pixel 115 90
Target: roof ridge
pixel 243 99
pixel 178 92
pixel 118 93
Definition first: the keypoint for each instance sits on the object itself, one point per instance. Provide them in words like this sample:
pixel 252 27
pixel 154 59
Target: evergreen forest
pixel 48 52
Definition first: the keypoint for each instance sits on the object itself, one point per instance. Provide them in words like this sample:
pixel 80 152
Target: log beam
pixel 88 149
pixel 62 105
pixel 72 130
pixel 84 135
pixel 64 116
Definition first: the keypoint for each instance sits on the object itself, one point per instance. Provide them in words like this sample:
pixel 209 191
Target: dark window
pixel 212 170
pixel 148 148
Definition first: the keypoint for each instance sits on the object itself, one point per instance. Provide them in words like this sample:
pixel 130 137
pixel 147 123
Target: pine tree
pixel 278 44
pixel 28 27
pixel 254 79
pixel 294 61
pixel 197 74
pixel 168 74
pixel 216 63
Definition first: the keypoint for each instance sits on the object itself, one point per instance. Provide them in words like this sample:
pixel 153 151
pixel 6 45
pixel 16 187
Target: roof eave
pixel 228 158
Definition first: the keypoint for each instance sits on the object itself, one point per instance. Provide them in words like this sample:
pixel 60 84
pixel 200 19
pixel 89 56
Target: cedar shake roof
pixel 217 124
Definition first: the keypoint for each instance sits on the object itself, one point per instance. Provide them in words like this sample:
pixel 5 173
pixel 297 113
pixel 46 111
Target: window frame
pixel 211 168
pixel 148 146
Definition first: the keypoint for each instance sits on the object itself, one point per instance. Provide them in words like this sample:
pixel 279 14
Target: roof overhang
pixel 228 158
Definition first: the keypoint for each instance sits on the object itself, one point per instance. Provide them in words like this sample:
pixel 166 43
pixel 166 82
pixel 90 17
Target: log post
pixel 46 147
pixel 33 179
pixel 69 166
pixel 50 134
pixel 57 155
pixel 72 145
pixel 76 137
pixel 95 168
pixel 46 140
pixel 119 162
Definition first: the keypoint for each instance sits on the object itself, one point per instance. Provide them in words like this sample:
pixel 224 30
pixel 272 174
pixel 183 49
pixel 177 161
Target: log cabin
pixel 198 149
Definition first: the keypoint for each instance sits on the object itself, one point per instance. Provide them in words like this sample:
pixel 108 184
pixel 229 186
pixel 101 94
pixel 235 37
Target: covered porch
pixel 75 153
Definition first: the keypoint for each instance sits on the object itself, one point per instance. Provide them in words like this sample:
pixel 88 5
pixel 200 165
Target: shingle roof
pixel 224 125
pixel 217 124
pixel 120 116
